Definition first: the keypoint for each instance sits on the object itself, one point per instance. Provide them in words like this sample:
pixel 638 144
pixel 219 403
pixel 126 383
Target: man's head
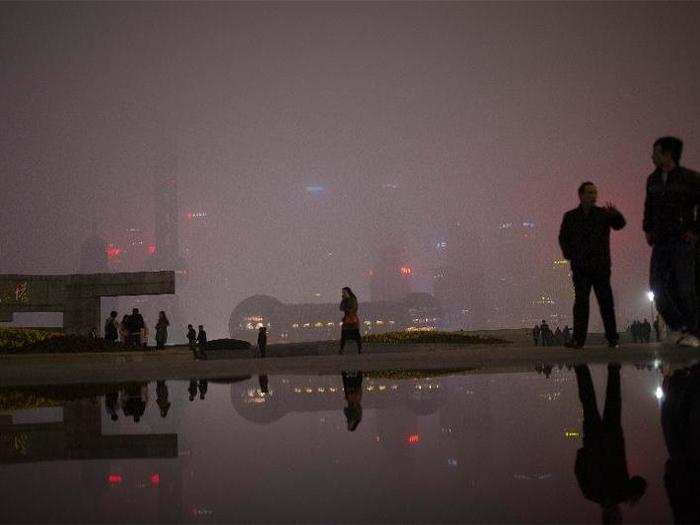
pixel 113 314
pixel 588 193
pixel 201 327
pixel 135 311
pixel 667 153
pixel 190 327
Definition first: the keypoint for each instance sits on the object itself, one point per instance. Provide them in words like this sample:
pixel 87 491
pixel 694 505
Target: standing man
pixel 585 241
pixel 671 229
pixel 536 334
pixel 262 340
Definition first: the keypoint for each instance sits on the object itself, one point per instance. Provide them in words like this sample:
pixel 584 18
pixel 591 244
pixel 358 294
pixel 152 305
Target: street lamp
pixel 650 296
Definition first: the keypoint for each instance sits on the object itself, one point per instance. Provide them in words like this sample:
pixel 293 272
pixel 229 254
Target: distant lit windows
pixel 406 271
pixel 253 322
pixel 193 215
pixel 113 251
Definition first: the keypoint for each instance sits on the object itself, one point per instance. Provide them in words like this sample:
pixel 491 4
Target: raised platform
pixel 178 363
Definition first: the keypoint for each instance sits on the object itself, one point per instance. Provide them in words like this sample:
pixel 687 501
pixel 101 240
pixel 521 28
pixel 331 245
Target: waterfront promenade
pixel 176 362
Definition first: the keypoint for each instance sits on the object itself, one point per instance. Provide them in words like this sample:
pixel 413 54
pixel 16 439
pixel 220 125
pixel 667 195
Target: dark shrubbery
pixel 65 344
pixel 228 344
pixel 400 338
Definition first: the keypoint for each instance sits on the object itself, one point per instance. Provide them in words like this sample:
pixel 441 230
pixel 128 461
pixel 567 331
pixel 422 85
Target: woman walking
pixel 351 322
pixel 162 330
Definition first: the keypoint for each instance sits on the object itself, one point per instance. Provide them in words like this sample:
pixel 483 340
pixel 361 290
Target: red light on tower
pixel 189 215
pixel 413 439
pixel 151 249
pixel 155 479
pixel 406 271
pixel 113 251
pixel 114 479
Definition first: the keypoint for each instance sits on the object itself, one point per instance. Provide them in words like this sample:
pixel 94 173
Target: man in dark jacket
pixel 136 324
pixel 601 464
pixel 671 229
pixel 585 241
pixel 262 340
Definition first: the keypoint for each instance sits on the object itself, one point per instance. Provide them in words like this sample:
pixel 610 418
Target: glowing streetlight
pixel 659 393
pixel 650 296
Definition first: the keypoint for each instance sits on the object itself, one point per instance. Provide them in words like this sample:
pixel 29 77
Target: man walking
pixel 585 241
pixel 671 229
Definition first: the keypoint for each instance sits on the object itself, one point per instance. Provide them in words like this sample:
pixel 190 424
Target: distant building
pixel 322 321
pixel 93 256
pixel 391 277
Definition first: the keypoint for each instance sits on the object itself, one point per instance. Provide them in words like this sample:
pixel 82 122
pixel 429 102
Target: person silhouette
pixel 162 398
pixel 112 404
pixel 262 340
pixel 601 464
pixel 680 421
pixel 192 389
pixel 203 386
pixel 352 386
pixel 262 379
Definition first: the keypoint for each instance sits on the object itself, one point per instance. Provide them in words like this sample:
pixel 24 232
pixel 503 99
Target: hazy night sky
pixel 480 113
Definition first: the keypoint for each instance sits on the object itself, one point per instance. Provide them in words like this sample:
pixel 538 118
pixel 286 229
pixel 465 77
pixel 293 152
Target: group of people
pixel 640 331
pixel 542 335
pixel 132 400
pixel 197 341
pixel 132 332
pixel 671 226
pixel 132 329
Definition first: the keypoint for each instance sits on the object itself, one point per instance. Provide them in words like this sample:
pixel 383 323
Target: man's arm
pixel 565 236
pixel 615 219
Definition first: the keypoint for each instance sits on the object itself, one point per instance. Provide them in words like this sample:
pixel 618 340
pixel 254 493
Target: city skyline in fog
pixel 313 135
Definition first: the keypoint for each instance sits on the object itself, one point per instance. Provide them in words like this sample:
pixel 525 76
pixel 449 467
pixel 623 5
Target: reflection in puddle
pixel 360 446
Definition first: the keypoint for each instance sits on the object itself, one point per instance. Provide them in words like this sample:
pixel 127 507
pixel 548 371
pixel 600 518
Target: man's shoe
pixel 614 346
pixel 688 340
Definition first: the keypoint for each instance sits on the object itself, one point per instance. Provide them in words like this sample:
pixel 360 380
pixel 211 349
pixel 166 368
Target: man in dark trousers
pixel 671 229
pixel 202 340
pixel 585 241
pixel 262 340
pixel 601 464
pixel 111 328
pixel 136 324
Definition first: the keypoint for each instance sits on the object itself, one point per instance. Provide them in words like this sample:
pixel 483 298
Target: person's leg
pixel 684 283
pixel 343 336
pixel 661 283
pixel 358 339
pixel 604 295
pixel 613 400
pixel 586 394
pixel 582 291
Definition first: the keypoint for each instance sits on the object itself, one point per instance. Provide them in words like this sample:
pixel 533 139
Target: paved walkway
pixel 177 362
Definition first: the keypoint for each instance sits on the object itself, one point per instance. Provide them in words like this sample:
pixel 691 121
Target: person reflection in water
pixel 112 404
pixel 680 420
pixel 262 379
pixel 162 398
pixel 135 398
pixel 352 386
pixel 601 464
pixel 203 386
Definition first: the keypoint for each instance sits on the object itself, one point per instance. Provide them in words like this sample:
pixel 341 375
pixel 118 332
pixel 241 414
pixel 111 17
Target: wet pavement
pixel 381 446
